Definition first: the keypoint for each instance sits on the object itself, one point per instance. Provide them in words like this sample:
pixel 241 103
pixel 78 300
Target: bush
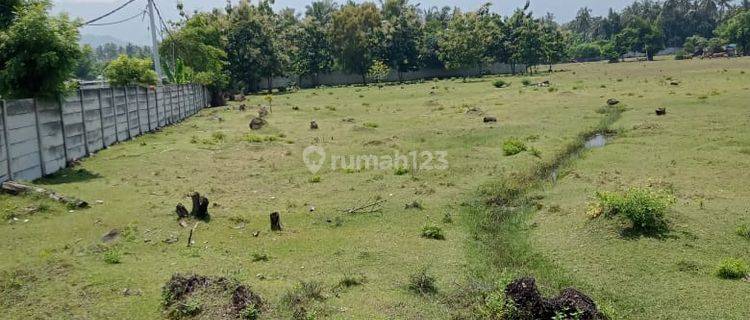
pixel 643 208
pixel 422 283
pixel 315 179
pixel 112 256
pixel 433 232
pixel 732 268
pixel 400 171
pixel 744 231
pixel 513 146
pixel 681 55
pixel 526 82
pixel 302 294
pixel 500 83
pixel 126 71
pixel 370 125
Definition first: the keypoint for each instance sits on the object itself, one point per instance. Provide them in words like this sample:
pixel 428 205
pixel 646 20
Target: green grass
pixel 55 260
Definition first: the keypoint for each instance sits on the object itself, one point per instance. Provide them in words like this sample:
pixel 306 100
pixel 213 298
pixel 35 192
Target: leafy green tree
pixel 554 45
pixel 198 45
pixel 38 52
pixel 695 44
pixel 737 30
pixel 401 29
pixel 314 54
pixel 126 71
pixel 435 21
pixel 354 33
pixel 8 10
pixel 378 71
pixel 87 67
pixel 644 37
pixel 463 43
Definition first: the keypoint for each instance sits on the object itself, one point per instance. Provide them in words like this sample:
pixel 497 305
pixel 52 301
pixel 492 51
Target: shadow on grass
pixel 68 175
pixel 659 233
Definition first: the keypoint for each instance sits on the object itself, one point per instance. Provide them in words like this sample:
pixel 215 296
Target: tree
pixel 378 71
pixel 641 36
pixel 737 30
pixel 354 31
pixel 463 44
pixel 435 21
pixel 38 53
pixel 87 67
pixel 126 71
pixel 198 45
pixel 8 12
pixel 314 54
pixel 401 29
pixel 695 44
pixel 553 45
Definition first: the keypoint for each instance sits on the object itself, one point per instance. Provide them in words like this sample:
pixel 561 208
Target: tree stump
pixel 613 102
pixel 257 123
pixel 313 125
pixel 490 119
pixel 661 112
pixel 262 112
pixel 243 107
pixel 200 206
pixel 182 212
pixel 275 221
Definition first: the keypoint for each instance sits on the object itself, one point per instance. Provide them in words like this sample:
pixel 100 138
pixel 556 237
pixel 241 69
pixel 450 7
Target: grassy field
pixel 55 265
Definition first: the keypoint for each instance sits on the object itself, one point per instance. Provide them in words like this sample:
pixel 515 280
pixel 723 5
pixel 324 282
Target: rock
pixel 172 239
pixel 313 125
pixel 110 236
pixel 262 112
pixel 570 303
pixel 239 97
pixel 613 102
pixel 661 112
pixel 256 234
pixel 574 304
pixel 242 107
pixel 295 108
pixel 526 298
pixel 257 123
pixel 490 119
pixel 674 83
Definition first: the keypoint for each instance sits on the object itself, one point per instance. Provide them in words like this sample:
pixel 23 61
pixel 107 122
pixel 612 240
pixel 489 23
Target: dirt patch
pixel 209 298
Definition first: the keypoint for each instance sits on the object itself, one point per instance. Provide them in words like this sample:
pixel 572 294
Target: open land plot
pixel 55 264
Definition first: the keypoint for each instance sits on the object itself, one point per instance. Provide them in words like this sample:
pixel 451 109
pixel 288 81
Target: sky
pixel 136 31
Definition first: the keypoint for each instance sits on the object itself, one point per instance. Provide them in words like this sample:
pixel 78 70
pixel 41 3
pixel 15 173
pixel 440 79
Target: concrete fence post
pixel 171 105
pixel 138 108
pixel 114 114
pixel 62 127
pixel 127 112
pixel 39 139
pixel 101 117
pixel 6 145
pixel 148 108
pixel 179 103
pixel 83 122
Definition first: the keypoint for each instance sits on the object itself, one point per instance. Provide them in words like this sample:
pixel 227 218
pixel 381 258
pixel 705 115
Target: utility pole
pixel 154 41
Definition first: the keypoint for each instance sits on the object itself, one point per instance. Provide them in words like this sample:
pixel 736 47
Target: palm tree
pixel 724 6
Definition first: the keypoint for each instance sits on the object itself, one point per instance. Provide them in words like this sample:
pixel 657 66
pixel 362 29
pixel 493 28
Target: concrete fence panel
pixel 51 135
pixel 23 139
pixel 108 117
pixel 92 119
pixel 153 111
pixel 134 128
pixel 142 109
pixel 121 114
pixel 75 144
pixel 160 114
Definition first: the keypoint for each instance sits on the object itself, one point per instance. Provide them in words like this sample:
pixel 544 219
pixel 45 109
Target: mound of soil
pixel 208 298
pixel 571 303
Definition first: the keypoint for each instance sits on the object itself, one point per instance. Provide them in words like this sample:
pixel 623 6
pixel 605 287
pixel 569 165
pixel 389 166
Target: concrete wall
pixel 341 78
pixel 41 136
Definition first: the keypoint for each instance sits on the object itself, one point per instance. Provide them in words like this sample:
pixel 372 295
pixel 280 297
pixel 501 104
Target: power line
pixel 140 14
pixel 108 13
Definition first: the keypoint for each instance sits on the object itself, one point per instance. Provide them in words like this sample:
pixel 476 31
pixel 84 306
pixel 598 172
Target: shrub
pixel 432 232
pixel 500 83
pixel 370 125
pixel 351 281
pixel 303 293
pixel 218 136
pixel 255 138
pixel 400 171
pixel 422 283
pixel 513 146
pixel 112 256
pixel 259 257
pixel 190 308
pixel 744 231
pixel 643 208
pixel 315 179
pixel 681 55
pixel 126 71
pixel 732 268
pixel 526 82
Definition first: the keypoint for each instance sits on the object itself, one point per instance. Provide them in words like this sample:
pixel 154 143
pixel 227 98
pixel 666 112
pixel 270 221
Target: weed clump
pixel 732 269
pixel 371 125
pixel 644 208
pixel 500 83
pixel 112 256
pixel 433 232
pixel 422 283
pixel 513 146
pixel 299 298
pixel 744 231
pixel 212 298
pixel 400 171
pixel 315 179
pixel 526 82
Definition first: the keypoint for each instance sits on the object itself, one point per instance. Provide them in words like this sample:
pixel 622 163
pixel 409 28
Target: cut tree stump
pixel 313 125
pixel 275 221
pixel 257 123
pixel 661 112
pixel 490 119
pixel 182 212
pixel 200 206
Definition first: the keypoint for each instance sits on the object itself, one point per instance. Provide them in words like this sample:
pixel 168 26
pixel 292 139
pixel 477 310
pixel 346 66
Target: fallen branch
pixel 16 188
pixel 375 206
pixel 190 237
